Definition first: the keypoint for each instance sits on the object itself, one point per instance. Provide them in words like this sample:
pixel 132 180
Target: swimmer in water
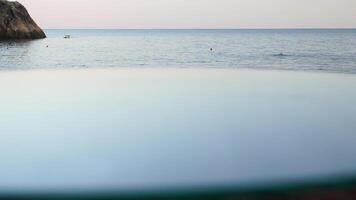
pixel 211 49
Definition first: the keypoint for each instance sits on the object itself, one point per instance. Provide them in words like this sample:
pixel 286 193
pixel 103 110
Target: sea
pixel 130 111
pixel 330 50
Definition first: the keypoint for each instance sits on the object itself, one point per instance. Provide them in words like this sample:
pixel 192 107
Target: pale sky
pixel 193 13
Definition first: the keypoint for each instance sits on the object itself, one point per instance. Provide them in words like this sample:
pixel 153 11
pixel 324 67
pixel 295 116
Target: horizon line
pixel 199 28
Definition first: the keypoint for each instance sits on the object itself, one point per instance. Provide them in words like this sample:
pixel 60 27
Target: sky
pixel 193 13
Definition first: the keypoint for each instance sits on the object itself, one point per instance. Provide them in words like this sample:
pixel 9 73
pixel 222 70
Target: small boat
pixel 67 37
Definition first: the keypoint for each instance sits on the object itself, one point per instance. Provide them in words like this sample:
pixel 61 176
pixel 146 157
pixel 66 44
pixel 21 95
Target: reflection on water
pixel 16 54
pixel 147 128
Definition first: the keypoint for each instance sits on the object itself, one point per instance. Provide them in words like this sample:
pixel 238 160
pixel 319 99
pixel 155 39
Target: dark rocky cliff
pixel 16 23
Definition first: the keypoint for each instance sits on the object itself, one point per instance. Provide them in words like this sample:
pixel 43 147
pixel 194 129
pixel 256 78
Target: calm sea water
pixel 137 129
pixel 328 50
pixel 144 122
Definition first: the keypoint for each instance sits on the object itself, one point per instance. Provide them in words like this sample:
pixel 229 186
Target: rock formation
pixel 16 23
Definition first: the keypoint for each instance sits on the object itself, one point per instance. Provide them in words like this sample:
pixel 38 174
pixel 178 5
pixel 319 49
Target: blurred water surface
pixel 132 129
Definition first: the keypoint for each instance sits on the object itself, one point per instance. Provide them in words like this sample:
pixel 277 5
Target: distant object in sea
pixel 67 37
pixel 211 49
pixel 16 23
pixel 280 54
